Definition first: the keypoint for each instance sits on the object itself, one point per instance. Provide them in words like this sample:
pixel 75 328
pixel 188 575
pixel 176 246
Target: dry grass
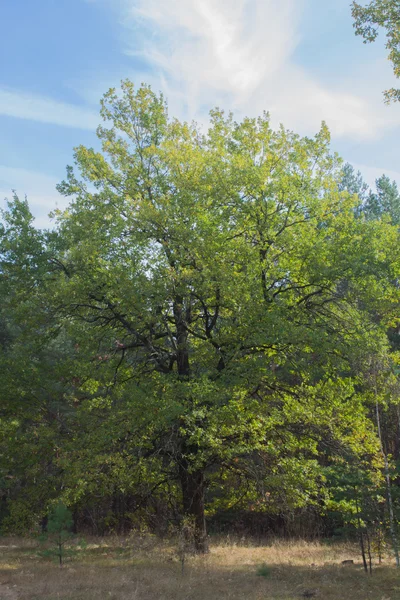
pixel 144 569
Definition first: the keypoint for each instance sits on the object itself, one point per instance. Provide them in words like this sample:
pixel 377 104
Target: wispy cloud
pixel 240 55
pixel 213 49
pixel 218 44
pixel 39 188
pixel 46 110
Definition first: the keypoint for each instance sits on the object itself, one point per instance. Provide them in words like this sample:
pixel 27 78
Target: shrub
pixel 264 570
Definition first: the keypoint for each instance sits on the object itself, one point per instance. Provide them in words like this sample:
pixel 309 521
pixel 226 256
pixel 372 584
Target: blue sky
pixel 298 59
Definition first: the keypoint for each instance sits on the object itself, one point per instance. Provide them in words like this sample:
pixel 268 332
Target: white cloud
pixel 212 48
pixel 240 55
pixel 302 103
pixel 46 110
pixel 217 44
pixel 40 190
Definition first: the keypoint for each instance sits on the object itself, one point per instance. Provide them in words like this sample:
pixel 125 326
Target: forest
pixel 208 336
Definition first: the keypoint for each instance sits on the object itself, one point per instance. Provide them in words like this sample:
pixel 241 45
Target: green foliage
pixel 381 14
pixel 357 492
pixel 58 533
pixel 60 521
pixel 197 330
pixel 385 201
pixel 264 571
pixel 353 183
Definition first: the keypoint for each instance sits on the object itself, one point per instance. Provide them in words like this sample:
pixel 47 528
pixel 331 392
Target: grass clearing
pixel 146 569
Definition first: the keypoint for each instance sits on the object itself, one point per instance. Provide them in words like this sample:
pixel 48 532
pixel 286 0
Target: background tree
pixel 369 19
pixel 353 182
pixel 385 201
pixel 35 361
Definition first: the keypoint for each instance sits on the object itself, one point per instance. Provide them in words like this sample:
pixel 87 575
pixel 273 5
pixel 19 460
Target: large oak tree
pixel 220 273
pixel 217 291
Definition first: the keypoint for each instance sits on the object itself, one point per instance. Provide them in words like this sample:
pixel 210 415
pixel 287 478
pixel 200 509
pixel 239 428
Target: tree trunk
pixel 192 484
pixel 369 551
pixel 363 551
pixel 360 533
pixel 392 522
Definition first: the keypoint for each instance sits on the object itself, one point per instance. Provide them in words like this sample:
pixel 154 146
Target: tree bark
pixel 360 533
pixel 392 522
pixel 192 484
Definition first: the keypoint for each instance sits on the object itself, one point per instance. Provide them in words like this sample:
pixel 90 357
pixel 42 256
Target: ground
pixel 143 568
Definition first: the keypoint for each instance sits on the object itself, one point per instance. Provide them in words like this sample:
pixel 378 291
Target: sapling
pixel 58 532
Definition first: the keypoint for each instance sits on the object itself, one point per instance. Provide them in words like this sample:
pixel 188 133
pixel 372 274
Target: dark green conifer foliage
pixel 58 533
